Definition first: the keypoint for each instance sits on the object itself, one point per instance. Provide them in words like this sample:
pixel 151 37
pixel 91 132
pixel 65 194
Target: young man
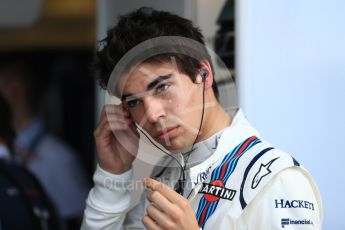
pixel 225 176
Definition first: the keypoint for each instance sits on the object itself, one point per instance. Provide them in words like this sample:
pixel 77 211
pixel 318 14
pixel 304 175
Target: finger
pixel 126 134
pixel 161 202
pixel 115 124
pixel 150 224
pixel 170 194
pixel 116 118
pixel 116 109
pixel 159 217
pixel 113 109
pixel 118 126
pixel 104 128
pixel 129 124
pixel 118 115
pixel 104 115
pixel 100 129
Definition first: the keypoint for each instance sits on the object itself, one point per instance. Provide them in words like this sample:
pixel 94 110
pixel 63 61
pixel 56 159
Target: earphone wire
pixel 167 153
pixel 201 120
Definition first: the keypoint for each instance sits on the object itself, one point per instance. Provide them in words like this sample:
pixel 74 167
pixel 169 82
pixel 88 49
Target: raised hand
pixel 168 209
pixel 117 139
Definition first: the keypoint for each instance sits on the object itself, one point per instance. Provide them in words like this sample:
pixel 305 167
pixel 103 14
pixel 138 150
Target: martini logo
pixel 215 190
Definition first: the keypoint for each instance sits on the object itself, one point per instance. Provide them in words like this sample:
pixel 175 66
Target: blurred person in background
pixel 51 160
pixel 24 203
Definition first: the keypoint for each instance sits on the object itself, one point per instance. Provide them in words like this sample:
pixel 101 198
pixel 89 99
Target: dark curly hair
pixel 141 25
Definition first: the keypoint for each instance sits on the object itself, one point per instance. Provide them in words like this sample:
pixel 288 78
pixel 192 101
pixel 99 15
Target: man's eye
pixel 162 88
pixel 133 103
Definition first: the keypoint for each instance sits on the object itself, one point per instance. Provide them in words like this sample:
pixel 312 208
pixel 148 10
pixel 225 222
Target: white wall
pixel 291 74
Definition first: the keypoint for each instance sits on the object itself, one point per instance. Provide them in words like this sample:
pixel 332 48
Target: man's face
pixel 165 102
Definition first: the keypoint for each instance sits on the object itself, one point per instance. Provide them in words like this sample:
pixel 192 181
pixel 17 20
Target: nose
pixel 154 109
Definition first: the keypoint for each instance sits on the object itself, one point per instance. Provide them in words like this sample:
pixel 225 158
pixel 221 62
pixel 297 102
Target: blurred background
pixel 57 38
pixel 288 63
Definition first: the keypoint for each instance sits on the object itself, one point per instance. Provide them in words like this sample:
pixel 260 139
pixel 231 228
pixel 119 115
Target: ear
pixel 208 81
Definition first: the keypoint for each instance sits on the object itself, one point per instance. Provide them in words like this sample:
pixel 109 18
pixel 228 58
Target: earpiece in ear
pixel 203 75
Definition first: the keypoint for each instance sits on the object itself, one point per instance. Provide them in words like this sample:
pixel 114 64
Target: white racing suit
pixel 244 184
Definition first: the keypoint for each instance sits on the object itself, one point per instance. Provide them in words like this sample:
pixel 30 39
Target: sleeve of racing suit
pixel 135 215
pixel 108 201
pixel 290 201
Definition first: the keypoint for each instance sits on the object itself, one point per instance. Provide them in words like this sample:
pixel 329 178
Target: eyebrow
pixel 151 85
pixel 156 81
pixel 126 97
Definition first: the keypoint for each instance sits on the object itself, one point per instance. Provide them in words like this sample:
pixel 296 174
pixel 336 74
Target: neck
pixel 215 119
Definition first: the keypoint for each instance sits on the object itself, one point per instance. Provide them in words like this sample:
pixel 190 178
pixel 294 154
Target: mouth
pixel 166 133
